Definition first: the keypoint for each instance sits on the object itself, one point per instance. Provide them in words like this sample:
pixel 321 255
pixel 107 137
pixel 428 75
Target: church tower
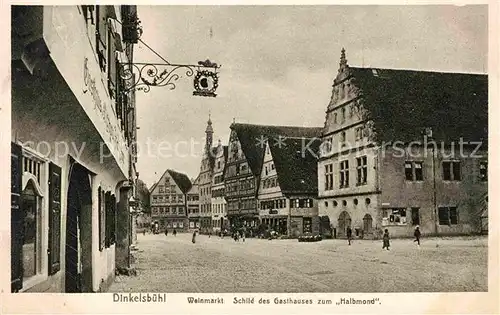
pixel 209 135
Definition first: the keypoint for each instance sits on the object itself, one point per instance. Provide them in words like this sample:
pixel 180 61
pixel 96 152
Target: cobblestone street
pixel 174 264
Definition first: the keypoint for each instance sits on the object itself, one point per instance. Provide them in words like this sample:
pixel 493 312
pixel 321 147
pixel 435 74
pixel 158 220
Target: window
pixel 297 203
pixel 329 177
pixel 415 216
pixel 483 171
pixel 30 184
pixel 362 170
pixel 448 215
pixel 101 36
pixel 344 174
pixel 326 146
pixel 394 216
pixel 343 114
pixel 161 189
pixel 451 170
pixel 218 164
pixel 359 133
pixel 335 203
pixel 272 166
pixel 413 171
pixel 335 118
pixel 88 13
pixel 266 170
pixel 342 138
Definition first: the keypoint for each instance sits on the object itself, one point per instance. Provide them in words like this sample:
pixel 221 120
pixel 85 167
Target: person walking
pixel 174 232
pixel 243 236
pixel 194 237
pixel 349 235
pixel 417 235
pixel 385 240
pixel 166 232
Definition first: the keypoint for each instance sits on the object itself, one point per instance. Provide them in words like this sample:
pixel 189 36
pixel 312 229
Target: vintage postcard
pixel 240 158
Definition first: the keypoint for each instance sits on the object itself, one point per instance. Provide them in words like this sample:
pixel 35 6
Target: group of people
pixel 386 244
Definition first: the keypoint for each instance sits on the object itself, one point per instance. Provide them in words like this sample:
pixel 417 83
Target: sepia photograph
pixel 234 149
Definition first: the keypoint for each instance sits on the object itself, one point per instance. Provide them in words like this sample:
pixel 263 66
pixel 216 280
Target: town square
pixel 244 148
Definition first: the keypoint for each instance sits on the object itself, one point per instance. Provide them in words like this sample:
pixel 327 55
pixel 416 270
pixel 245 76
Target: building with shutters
pixel 169 201
pixel 193 205
pixel 218 202
pixel 288 187
pixel 402 148
pixel 73 133
pixel 243 167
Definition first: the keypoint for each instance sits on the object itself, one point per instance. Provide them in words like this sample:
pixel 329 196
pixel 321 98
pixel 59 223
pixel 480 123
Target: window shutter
pixel 54 250
pixel 107 202
pixel 113 219
pixel 16 220
pixel 112 63
pixel 101 219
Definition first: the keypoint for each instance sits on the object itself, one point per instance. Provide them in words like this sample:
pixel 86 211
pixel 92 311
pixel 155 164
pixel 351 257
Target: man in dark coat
pixel 349 234
pixel 417 235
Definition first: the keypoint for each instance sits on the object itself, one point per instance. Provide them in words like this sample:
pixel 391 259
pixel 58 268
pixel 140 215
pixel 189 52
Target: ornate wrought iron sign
pixel 205 81
pixel 143 76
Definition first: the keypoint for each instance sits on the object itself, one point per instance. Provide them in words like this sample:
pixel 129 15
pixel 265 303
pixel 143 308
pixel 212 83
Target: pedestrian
pixel 144 232
pixel 243 236
pixel 349 235
pixel 175 232
pixel 417 235
pixel 194 237
pixel 166 232
pixel 385 239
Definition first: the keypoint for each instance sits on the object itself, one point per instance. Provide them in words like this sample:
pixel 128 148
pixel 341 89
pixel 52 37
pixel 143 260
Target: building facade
pixel 288 191
pixel 73 134
pixel 169 201
pixel 193 205
pixel 218 202
pixel 391 156
pixel 205 181
pixel 244 166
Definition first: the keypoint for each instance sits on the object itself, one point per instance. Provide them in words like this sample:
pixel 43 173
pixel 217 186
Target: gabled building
pixel 205 180
pixel 168 201
pixel 244 165
pixel 193 205
pixel 404 148
pixel 218 202
pixel 72 146
pixel 288 189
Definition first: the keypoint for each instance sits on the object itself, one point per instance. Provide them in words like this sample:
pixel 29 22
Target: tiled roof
pixel 181 179
pixel 297 165
pixel 402 103
pixel 251 136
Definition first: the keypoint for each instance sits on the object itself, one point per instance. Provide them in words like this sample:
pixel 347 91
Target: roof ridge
pixel 417 70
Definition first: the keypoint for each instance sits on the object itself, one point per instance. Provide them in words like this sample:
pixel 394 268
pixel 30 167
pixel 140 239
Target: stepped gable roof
pixel 402 103
pixel 181 179
pixel 297 165
pixel 250 137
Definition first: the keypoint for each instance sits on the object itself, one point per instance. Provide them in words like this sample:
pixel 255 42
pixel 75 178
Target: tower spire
pixel 343 60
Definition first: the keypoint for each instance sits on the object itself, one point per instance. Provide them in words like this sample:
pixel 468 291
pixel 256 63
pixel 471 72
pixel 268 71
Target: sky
pixel 278 64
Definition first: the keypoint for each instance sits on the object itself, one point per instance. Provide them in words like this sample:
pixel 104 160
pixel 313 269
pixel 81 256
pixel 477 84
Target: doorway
pixel 78 257
pixel 367 224
pixel 344 222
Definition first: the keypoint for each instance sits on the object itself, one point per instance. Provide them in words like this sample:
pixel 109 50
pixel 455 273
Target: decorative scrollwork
pixel 142 76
